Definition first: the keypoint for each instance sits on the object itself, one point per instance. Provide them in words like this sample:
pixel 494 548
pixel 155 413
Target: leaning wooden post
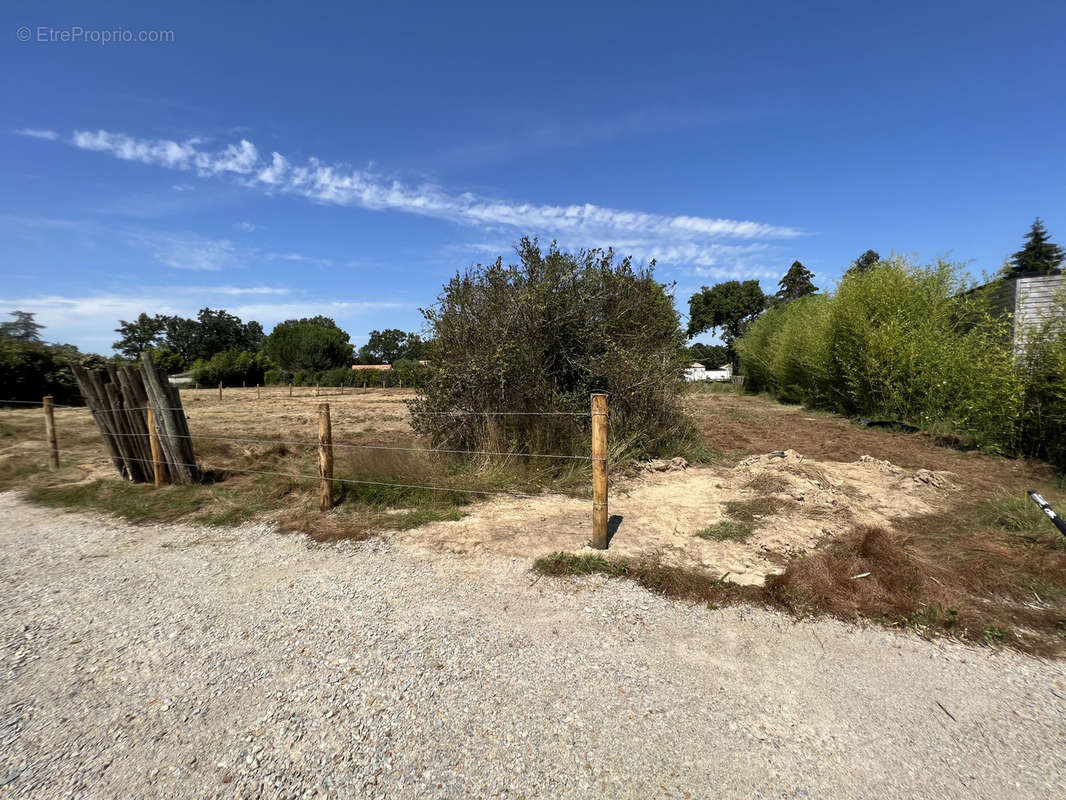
pixel 258 392
pixel 599 471
pixel 220 390
pixel 290 390
pixel 157 451
pixel 50 431
pixel 325 458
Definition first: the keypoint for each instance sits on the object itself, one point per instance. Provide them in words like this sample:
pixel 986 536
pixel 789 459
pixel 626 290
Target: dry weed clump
pixel 978 589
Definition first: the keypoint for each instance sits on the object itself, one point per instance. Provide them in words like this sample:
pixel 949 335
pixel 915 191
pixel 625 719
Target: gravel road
pixel 180 661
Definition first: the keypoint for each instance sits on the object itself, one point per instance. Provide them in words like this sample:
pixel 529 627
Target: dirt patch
pixel 739 425
pixel 791 504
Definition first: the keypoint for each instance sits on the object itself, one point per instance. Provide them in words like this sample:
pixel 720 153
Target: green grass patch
pixel 136 502
pixel 726 530
pixel 573 564
pixel 13 473
pixel 209 504
pixel 1020 514
pixel 750 511
pixel 653 575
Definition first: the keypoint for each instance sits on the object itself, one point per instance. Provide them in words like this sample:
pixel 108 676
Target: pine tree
pixel 796 283
pixel 23 329
pixel 1040 254
pixel 864 262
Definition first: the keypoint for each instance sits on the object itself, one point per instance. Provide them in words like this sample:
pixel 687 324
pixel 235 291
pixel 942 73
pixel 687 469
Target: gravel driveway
pixel 178 661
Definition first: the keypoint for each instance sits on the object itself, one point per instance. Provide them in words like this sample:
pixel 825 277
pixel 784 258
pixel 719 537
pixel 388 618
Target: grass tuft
pixel 726 530
pixel 750 511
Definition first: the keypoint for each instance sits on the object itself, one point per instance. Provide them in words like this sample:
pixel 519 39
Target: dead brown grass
pixel 746 425
pixel 982 592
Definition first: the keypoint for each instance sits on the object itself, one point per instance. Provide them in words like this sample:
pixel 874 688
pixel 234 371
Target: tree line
pixel 728 309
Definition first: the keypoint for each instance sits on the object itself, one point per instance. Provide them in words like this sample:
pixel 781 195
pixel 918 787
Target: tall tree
pixel 796 283
pixel 1039 254
pixel 140 335
pixel 217 332
pixel 864 262
pixel 182 337
pixel 389 346
pixel 726 309
pixel 316 343
pixel 22 329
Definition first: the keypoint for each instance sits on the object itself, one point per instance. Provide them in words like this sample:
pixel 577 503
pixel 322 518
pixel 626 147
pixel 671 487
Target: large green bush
pixel 910 343
pixel 541 335
pixel 31 370
pixel 231 368
pixel 314 344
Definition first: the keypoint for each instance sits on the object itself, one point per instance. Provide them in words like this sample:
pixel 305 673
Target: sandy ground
pixel 660 511
pixel 655 512
pixel 180 661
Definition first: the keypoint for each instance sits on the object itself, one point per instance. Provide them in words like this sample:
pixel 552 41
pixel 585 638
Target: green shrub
pixel 541 335
pixel 277 377
pixel 312 344
pixel 30 370
pixel 231 368
pixel 910 343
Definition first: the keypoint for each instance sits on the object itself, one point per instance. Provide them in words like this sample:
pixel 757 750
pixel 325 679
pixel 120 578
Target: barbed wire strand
pixel 38 404
pixel 365 446
pixel 347 411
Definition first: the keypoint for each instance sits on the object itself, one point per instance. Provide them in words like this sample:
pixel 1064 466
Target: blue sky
pixel 285 160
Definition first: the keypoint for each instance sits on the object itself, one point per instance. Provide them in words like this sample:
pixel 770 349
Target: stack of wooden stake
pixel 124 401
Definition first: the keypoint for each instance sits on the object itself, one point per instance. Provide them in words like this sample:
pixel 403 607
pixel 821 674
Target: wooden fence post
pixel 50 431
pixel 599 471
pixel 325 458
pixel 157 451
pixel 220 390
pixel 290 390
pixel 258 392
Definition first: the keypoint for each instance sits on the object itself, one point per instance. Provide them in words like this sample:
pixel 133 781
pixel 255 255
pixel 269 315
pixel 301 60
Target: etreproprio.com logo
pixel 76 34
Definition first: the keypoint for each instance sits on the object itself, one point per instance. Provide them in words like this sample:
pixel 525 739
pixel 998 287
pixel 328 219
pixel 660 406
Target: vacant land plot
pixel 794 503
pixel 174 660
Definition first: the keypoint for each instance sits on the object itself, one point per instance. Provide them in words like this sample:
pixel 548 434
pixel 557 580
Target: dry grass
pixel 993 588
pixel 651 573
pixel 991 569
pixel 260 456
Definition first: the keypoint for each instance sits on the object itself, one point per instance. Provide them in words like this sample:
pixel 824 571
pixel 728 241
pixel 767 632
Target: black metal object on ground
pixel 1047 509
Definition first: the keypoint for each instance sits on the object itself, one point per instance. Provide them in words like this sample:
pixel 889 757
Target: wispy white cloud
pixel 188 251
pixel 298 257
pixel 245 226
pixel 695 259
pixel 341 185
pixel 38 133
pixel 183 187
pixel 236 290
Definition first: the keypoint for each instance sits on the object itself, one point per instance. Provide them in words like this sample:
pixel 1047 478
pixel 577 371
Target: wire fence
pixel 306 476
pixel 221 468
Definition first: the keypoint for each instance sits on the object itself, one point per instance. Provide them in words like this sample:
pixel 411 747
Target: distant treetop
pixel 796 283
pixel 864 262
pixel 23 329
pixel 1039 254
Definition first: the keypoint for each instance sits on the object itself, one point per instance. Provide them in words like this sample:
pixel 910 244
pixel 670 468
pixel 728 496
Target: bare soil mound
pixel 744 522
